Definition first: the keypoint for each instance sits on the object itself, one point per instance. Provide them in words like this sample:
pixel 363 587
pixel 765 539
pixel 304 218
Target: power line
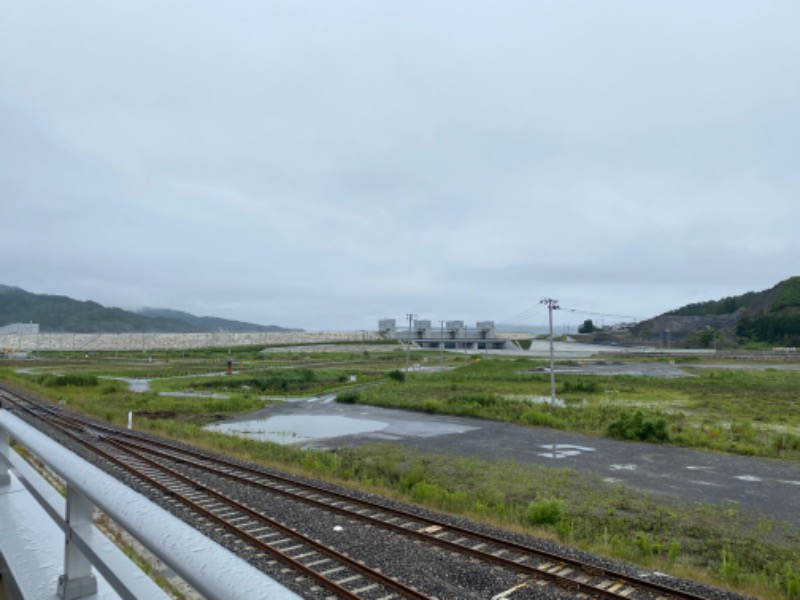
pixel 522 317
pixel 599 314
pixel 525 317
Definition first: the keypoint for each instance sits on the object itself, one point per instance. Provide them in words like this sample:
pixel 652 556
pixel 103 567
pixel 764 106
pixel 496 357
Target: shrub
pixel 638 427
pixel 541 419
pixel 547 511
pixel 588 387
pixel 792 579
pixel 783 442
pixel 65 380
pixel 283 381
pixel 730 567
pixel 646 545
pixel 431 406
pixel 348 397
pixel 109 387
pixel 397 375
pixel 484 400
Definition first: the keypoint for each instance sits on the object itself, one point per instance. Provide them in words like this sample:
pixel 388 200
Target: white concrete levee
pixel 89 342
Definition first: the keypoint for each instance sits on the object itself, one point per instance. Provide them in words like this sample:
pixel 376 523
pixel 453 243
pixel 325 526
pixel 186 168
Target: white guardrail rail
pixel 49 548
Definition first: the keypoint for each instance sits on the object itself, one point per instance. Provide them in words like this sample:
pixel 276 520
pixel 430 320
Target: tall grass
pixel 717 544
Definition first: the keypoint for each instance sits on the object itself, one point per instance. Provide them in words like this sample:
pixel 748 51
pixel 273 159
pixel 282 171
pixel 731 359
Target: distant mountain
pixel 61 314
pixel 210 324
pixel 771 316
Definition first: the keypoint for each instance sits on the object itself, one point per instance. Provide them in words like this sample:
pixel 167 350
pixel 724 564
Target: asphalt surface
pixel 767 487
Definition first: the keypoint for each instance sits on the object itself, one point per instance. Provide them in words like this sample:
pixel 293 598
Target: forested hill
pixel 784 298
pixel 61 314
pixel 771 317
pixel 774 317
pixel 724 306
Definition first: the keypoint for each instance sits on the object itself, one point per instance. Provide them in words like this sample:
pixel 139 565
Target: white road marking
pixel 748 478
pixel 628 467
pixel 559 454
pixel 563 450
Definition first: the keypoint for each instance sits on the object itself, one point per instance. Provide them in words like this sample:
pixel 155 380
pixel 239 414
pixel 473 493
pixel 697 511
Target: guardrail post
pixel 5 449
pixel 77 580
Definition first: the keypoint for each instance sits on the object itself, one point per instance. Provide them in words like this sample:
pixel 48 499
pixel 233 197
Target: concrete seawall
pixel 88 342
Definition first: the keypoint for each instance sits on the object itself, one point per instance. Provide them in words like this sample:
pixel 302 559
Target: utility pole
pixel 551 306
pixel 441 336
pixel 408 342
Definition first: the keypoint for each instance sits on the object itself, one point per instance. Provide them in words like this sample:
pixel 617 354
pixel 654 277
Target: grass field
pixel 745 412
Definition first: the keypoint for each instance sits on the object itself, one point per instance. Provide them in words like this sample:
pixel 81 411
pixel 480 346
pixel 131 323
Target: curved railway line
pixel 330 540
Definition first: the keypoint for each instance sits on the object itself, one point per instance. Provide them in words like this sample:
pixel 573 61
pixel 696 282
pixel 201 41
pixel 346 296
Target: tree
pixel 587 327
pixel 706 337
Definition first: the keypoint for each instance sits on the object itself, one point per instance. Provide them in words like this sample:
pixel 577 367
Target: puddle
pixel 194 395
pixel 536 400
pixel 298 429
pixel 135 385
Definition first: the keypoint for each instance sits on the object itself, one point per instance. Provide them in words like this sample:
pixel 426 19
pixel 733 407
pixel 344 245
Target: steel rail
pixel 543 571
pixel 557 570
pixel 254 514
pixel 352 564
pixel 428 527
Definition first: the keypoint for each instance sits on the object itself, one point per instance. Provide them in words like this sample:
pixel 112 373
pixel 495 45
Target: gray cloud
pixel 322 165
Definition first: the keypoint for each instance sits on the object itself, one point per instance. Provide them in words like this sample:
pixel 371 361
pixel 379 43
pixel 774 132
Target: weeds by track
pixel 192 478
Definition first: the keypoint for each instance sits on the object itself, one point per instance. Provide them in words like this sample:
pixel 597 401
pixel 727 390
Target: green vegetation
pixel 715 409
pixel 743 412
pixel 63 314
pixel 548 511
pixel 733 411
pixel 767 318
pixel 524 344
pixel 74 379
pixel 782 330
pixel 727 305
pixel 703 338
pixel 780 325
pixel 348 397
pixel 60 313
pixel 396 375
pixel 638 427
pixel 788 295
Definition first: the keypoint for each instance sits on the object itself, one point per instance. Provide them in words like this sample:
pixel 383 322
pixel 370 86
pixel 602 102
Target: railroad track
pixel 193 479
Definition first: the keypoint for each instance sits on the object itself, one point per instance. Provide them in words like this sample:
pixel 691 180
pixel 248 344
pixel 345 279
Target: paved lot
pixel 769 487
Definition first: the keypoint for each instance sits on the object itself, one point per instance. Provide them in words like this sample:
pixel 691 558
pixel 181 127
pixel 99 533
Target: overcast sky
pixel 326 164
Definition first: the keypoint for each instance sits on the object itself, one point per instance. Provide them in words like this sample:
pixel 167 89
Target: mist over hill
pixel 210 324
pixel 61 314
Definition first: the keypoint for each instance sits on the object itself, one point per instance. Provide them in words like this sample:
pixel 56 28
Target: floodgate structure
pixel 450 335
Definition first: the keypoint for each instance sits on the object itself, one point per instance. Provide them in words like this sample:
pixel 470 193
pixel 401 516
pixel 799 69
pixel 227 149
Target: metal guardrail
pixel 210 569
